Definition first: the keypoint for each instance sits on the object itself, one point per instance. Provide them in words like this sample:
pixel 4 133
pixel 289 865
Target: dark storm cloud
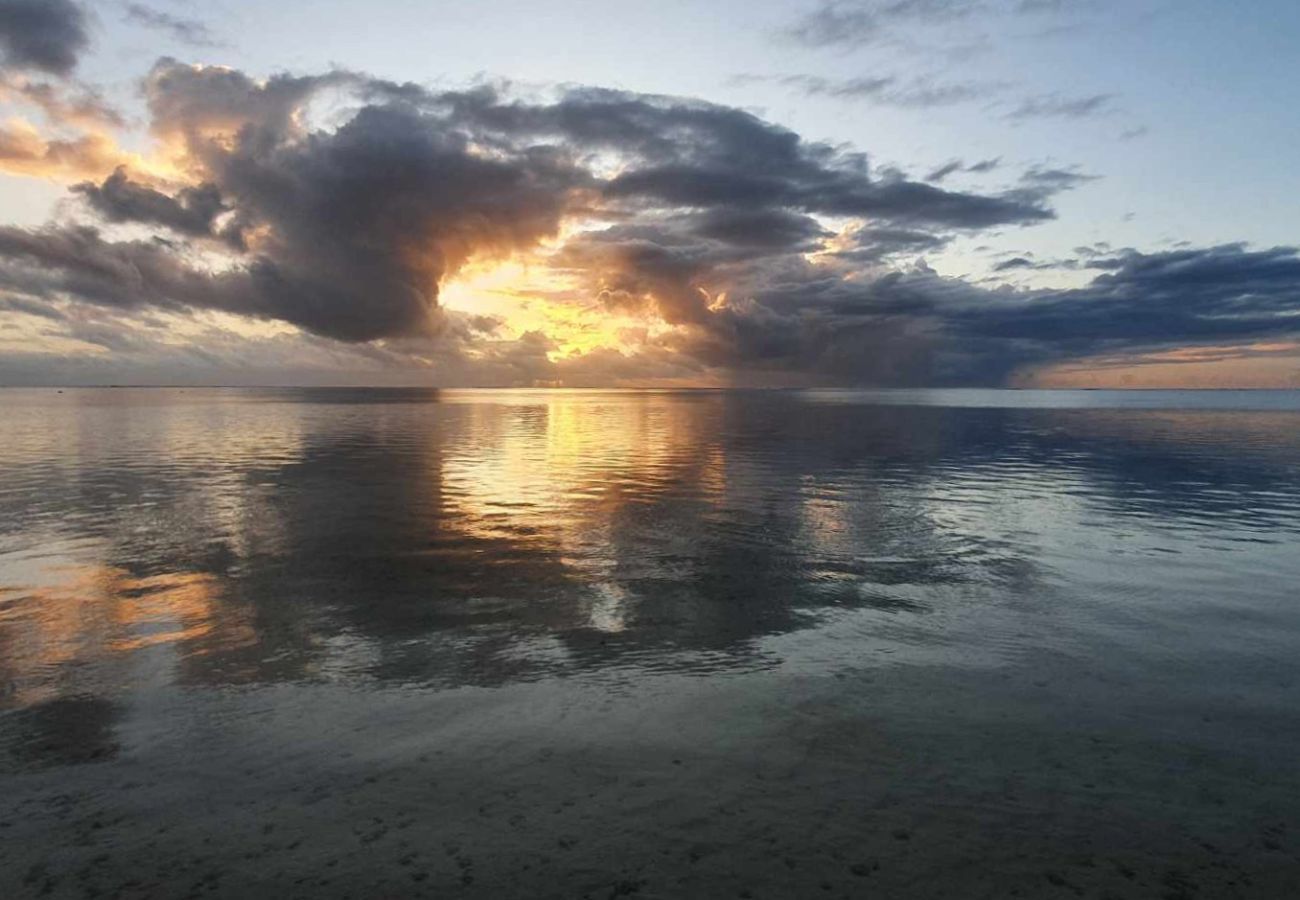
pixel 835 192
pixel 186 30
pixel 872 245
pixel 764 228
pixel 47 35
pixel 696 154
pixel 1184 296
pixel 972 335
pixel 78 262
pixel 192 211
pixel 349 232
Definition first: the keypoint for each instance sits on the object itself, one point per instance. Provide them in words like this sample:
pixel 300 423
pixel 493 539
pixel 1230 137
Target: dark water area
pixel 359 643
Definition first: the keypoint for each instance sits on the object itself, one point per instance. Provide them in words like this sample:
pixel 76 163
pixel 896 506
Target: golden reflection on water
pixel 560 472
pixel 573 459
pixel 81 618
pixel 558 475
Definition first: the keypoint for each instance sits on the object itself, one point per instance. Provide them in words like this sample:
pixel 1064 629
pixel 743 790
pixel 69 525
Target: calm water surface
pixel 218 578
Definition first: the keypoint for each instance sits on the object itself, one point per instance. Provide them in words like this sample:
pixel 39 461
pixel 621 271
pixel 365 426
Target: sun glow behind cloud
pixel 577 235
pixel 528 293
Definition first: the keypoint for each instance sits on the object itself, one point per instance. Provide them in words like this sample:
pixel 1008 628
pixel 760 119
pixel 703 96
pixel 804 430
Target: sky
pixel 1056 193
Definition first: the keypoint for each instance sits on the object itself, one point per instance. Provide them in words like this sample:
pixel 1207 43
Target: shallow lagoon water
pixel 655 644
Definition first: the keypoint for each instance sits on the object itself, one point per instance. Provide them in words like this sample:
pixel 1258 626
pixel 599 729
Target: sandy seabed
pixel 879 782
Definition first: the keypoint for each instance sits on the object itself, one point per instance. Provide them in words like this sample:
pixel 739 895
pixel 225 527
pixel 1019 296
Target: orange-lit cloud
pixel 24 150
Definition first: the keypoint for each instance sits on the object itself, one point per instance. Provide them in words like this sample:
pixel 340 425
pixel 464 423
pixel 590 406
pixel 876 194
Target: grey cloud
pixel 184 99
pixel 1040 182
pixel 838 192
pixel 186 30
pixel 1056 106
pixel 1023 263
pixel 63 104
pixel 951 168
pixel 1015 262
pixel 873 245
pixel 845 24
pixel 944 171
pixel 1144 301
pixel 916 93
pixel 764 228
pixel 192 211
pixel 31 308
pixel 48 35
pixel 857 22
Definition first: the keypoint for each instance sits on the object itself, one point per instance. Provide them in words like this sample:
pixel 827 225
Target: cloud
pixel 1027 264
pixel 191 211
pixel 350 232
pixel 889 90
pixel 765 228
pixel 187 31
pixel 46 35
pixel 980 167
pixel 26 151
pixel 836 322
pixel 1141 302
pixel 850 23
pixel 62 104
pixel 1042 181
pixel 1056 106
pixel 872 245
pixel 737 250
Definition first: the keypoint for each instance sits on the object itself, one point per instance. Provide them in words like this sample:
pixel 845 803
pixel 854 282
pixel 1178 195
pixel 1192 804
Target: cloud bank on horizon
pixel 341 226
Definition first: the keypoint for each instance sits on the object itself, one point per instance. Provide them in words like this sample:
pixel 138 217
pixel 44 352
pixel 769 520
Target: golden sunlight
pixel 527 295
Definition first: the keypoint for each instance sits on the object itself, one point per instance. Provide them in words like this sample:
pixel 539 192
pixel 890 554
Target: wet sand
pixel 885 782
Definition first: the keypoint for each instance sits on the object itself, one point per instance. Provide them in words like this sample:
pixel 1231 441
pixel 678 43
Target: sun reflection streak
pixel 562 471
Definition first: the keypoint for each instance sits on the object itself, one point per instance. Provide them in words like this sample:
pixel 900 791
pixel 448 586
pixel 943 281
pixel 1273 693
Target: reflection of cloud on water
pixel 542 534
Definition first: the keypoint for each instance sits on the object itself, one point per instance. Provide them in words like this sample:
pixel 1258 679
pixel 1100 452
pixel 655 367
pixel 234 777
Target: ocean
pixel 551 643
